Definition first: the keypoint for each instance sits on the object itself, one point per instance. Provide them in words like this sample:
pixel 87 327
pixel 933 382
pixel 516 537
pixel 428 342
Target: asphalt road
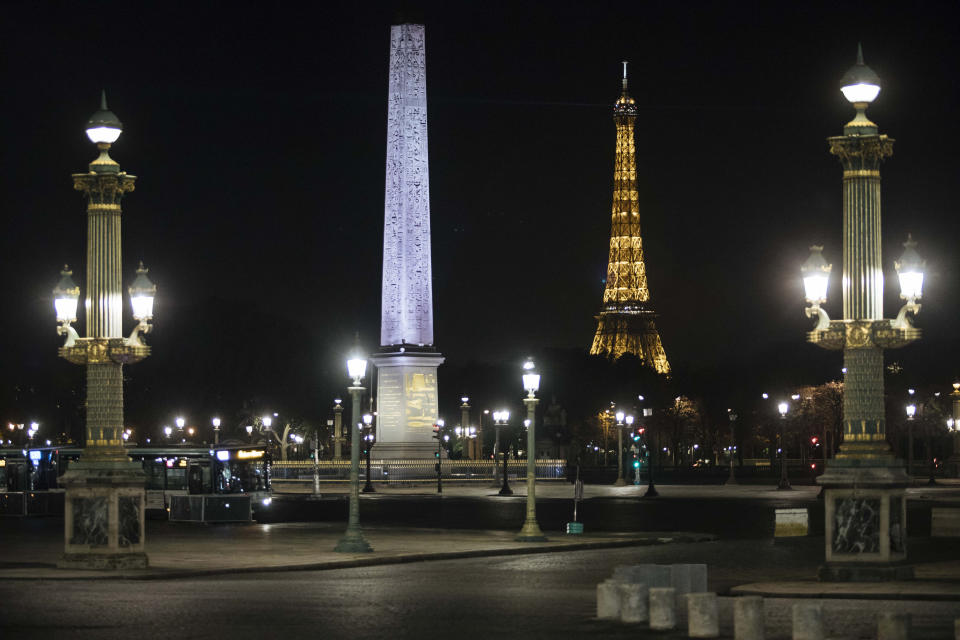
pixel 538 596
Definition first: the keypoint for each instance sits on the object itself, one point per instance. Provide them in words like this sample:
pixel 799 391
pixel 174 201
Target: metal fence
pixel 400 471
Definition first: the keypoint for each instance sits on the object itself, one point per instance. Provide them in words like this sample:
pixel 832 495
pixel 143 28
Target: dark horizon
pixel 258 139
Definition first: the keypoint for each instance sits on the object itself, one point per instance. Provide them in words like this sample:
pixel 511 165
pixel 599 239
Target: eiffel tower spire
pixel 626 321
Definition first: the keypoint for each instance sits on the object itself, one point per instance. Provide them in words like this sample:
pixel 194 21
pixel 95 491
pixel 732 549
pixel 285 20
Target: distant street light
pixel 620 482
pixel 353 540
pixel 784 483
pixel 531 383
pixel 733 444
pixel 216 431
pixel 369 439
pixel 911 412
pixel 500 419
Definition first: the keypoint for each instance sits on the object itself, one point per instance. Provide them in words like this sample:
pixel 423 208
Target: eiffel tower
pixel 626 323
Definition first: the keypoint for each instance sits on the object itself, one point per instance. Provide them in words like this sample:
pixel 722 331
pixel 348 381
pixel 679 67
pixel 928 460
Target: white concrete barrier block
pixel 808 621
pixel 702 618
pixel 633 602
pixel 748 618
pixel 893 626
pixel 608 600
pixel 663 608
pixel 791 523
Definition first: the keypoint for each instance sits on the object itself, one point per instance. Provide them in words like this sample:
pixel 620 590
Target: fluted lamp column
pixel 104 502
pixel 531 382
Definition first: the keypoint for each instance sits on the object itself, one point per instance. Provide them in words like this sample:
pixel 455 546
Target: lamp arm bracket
pixel 71 333
pixel 823 320
pixel 903 321
pixel 134 340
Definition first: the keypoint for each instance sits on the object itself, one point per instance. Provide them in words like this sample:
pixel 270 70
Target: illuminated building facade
pixel 407 405
pixel 626 323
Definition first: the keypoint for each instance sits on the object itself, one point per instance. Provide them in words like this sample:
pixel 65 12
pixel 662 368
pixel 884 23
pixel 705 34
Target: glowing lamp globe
pixel 911 411
pixel 629 420
pixel 66 296
pixel 816 276
pixel 531 379
pixel 142 293
pixel 357 369
pixel 910 268
pixel 103 127
pixel 860 84
pixel 783 407
pixel 620 416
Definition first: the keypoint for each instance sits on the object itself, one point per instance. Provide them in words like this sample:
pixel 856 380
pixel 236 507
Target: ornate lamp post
pixel 369 439
pixel 733 444
pixel 500 419
pixel 337 429
pixel 353 541
pixel 103 515
pixel 467 442
pixel 953 424
pixel 531 382
pixel 216 431
pixel 784 484
pixel 620 482
pixel 865 506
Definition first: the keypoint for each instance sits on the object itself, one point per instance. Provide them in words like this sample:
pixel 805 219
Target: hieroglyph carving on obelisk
pixel 407 294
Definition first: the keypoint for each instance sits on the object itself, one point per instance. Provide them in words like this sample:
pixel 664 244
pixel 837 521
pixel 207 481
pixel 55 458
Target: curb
pixel 372 561
pixel 768 590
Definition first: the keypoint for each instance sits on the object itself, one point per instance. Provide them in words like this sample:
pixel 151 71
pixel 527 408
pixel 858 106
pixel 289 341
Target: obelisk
pixel 407 361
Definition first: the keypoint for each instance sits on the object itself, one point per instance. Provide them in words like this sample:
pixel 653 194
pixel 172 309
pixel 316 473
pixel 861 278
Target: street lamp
pixel 216 431
pixel 105 487
pixel 180 422
pixel 531 383
pixel 369 439
pixel 620 481
pixel 911 413
pixel 167 431
pixel 249 429
pixel 865 471
pixel 784 483
pixel 353 541
pixel 500 419
pixel 733 444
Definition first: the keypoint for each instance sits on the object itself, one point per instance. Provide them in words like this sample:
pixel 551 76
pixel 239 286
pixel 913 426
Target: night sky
pixel 257 132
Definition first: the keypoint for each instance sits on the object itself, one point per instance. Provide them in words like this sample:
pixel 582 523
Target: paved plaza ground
pixel 442 561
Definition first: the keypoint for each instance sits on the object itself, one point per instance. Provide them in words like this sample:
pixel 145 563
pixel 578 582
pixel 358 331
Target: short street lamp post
pixel 911 412
pixel 733 419
pixel 104 505
pixel 953 424
pixel 531 382
pixel 864 485
pixel 216 431
pixel 442 437
pixel 784 484
pixel 368 438
pixel 353 540
pixel 500 419
pixel 337 429
pixel 620 482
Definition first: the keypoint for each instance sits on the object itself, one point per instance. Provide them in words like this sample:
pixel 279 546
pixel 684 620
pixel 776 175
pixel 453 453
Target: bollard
pixel 808 621
pixel 748 618
pixel 702 621
pixel 633 602
pixel 663 608
pixel 608 600
pixel 893 626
